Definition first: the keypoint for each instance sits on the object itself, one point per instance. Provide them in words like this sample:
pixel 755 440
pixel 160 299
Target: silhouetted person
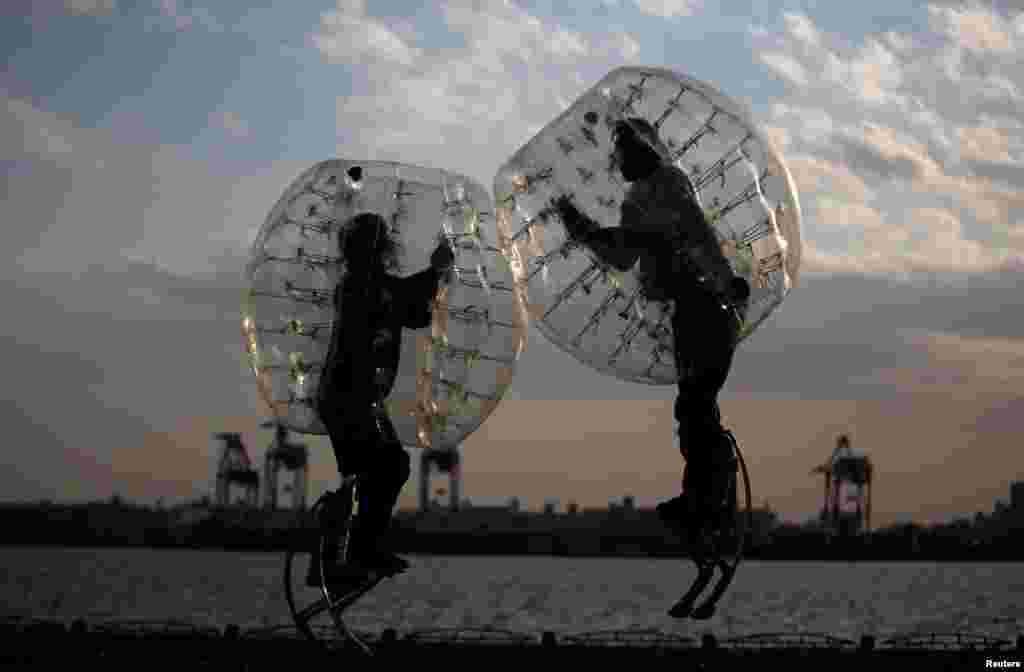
pixel 663 227
pixel 372 308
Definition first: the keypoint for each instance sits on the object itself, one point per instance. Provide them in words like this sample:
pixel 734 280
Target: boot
pixel 369 550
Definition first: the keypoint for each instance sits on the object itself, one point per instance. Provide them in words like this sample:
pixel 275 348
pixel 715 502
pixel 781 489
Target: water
pixel 528 594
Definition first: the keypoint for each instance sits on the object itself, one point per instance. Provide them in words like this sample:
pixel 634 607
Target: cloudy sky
pixel 143 144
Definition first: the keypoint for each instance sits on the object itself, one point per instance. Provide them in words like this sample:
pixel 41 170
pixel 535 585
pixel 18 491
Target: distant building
pixel 190 513
pixel 234 468
pixel 848 480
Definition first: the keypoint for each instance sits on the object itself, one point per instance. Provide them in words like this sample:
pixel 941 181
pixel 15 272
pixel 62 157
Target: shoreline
pixel 781 559
pixel 115 645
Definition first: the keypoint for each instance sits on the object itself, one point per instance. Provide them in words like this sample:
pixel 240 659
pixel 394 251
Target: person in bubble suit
pixel 663 231
pixel 359 372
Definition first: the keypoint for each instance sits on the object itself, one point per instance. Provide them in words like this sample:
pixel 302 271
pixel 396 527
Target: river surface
pixel 529 594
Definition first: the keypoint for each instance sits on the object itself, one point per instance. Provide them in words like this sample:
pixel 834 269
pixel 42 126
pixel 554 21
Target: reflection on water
pixel 529 594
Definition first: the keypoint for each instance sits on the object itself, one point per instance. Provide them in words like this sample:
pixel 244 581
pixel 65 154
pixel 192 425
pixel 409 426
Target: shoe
pixel 382 563
pixel 357 570
pixel 346 579
pixel 395 564
pixel 313 574
pixel 335 510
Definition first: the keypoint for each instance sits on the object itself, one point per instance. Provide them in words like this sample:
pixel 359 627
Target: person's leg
pixel 349 437
pixel 705 344
pixel 352 438
pixel 371 451
pixel 386 471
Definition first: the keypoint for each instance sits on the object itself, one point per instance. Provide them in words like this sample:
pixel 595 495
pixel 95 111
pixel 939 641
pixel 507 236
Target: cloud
pixel 943 244
pixel 126 285
pixel 513 73
pixel 85 195
pixel 984 143
pixel 174 15
pixel 235 126
pixel 126 281
pixel 348 35
pixel 843 329
pixel 982 373
pixel 91 7
pixel 787 67
pixel 886 153
pixel 666 9
pixel 976 29
pixel 669 9
pixel 891 132
pixel 828 178
pixel 626 45
pixel 129 349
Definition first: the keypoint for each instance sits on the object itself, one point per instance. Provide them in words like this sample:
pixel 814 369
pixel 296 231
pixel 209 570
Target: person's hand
pixel 577 225
pixel 739 290
pixel 442 258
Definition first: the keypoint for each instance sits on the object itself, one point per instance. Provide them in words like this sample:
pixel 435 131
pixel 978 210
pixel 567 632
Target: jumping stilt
pixel 710 552
pixel 327 598
pixel 684 606
pixel 707 609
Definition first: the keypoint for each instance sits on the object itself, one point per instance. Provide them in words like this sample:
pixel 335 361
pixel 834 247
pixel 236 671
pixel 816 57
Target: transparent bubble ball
pixel 453 373
pixel 609 319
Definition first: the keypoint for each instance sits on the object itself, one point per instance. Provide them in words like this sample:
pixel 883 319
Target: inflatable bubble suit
pixel 451 374
pixel 601 316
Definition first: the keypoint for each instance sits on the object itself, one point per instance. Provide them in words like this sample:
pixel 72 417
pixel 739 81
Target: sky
pixel 145 142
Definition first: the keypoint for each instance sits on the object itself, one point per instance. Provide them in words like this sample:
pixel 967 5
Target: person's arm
pixel 619 247
pixel 417 291
pixel 616 246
